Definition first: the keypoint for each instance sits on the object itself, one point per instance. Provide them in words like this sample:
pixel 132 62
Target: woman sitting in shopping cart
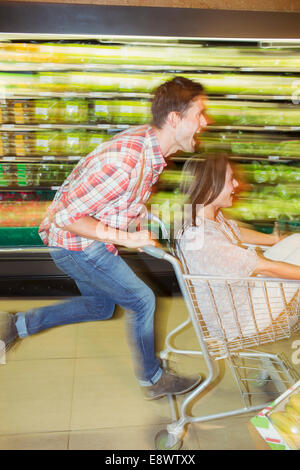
pixel 211 245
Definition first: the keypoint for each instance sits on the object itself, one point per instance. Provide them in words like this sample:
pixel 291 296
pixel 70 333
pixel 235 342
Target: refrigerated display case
pixel 68 83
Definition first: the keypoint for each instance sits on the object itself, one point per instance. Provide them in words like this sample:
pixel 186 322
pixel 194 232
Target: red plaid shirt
pixel 104 185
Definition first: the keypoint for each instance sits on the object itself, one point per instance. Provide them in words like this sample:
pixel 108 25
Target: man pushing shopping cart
pixel 91 213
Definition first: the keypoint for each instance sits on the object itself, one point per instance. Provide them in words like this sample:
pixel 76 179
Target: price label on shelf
pixel 72 141
pixel 48 157
pixel 101 108
pixel 8 159
pixel 126 109
pixel 273 158
pixel 72 109
pixel 41 111
pixel 42 143
pixel 46 78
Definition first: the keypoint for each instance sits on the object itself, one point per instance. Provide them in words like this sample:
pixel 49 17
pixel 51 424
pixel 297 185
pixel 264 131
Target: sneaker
pixel 170 384
pixel 8 329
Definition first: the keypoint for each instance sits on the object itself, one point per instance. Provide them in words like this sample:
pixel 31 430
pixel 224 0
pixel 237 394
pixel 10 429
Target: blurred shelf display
pixel 251 145
pixel 57 143
pixel 173 54
pixel 33 174
pixel 138 111
pixel 259 85
pixel 59 100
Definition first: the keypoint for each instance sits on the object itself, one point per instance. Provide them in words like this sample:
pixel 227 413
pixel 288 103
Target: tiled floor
pixel 73 387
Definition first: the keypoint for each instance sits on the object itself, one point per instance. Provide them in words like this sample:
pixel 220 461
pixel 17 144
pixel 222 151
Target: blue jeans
pixel 104 280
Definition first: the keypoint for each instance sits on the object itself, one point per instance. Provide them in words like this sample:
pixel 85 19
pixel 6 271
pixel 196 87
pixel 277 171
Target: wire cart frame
pixel 262 296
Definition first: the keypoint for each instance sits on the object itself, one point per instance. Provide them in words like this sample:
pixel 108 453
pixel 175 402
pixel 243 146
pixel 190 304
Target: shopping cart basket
pixel 250 368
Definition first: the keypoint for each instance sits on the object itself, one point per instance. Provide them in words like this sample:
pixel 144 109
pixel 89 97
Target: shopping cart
pixel 253 371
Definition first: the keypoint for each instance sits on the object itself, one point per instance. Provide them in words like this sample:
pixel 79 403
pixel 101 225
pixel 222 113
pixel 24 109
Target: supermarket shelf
pixel 28 188
pixel 31 271
pixel 46 158
pixel 29 127
pixel 33 67
pixel 70 94
pixel 277 158
pixel 112 95
pixel 25 249
pixel 256 128
pixel 177 157
pixel 23 128
pixel 53 66
pixel 259 97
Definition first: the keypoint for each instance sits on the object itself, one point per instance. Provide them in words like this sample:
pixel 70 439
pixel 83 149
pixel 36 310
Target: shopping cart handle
pixel 154 251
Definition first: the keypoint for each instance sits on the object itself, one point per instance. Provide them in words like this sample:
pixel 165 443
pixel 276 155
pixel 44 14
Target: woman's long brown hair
pixel 204 179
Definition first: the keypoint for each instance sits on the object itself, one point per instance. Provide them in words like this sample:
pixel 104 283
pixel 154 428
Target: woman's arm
pixel 258 238
pixel 278 269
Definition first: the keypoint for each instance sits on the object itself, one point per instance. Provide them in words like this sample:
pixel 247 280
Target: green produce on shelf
pixel 46 111
pixel 173 177
pixel 265 209
pixel 247 113
pixel 138 111
pixel 74 111
pixel 171 54
pixel 222 83
pixel 73 142
pixel 163 196
pixel 122 111
pixel 93 139
pixel 33 174
pixel 264 172
pixel 246 144
pixel 47 143
pixel 15 84
pixel 98 81
pixel 52 143
pixel 62 111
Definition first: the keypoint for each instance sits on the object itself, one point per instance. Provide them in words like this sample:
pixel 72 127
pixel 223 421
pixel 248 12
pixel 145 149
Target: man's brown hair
pixel 173 95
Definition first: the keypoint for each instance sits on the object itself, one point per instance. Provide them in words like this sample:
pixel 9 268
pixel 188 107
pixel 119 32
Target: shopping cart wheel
pixel 162 444
pixel 261 379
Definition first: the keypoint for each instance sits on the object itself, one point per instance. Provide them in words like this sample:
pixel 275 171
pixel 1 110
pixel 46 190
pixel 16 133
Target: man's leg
pixel 97 271
pixel 92 305
pixel 103 280
pixel 138 300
